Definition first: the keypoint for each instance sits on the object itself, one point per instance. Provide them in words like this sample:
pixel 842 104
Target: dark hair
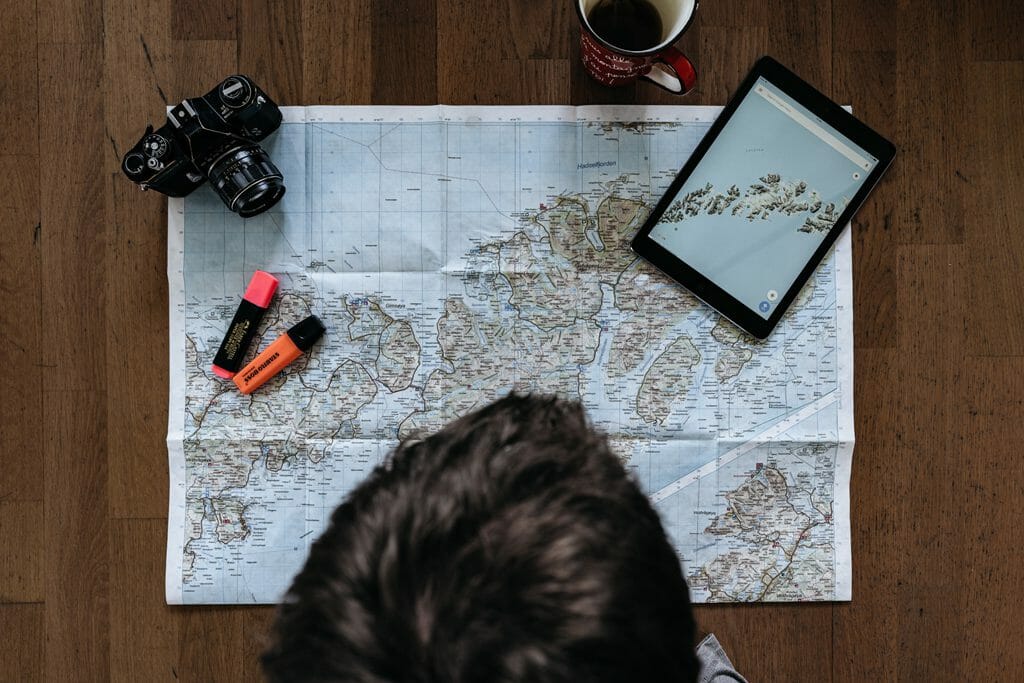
pixel 509 546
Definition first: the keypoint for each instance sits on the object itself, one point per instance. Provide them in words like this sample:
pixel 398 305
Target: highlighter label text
pixel 234 339
pixel 249 376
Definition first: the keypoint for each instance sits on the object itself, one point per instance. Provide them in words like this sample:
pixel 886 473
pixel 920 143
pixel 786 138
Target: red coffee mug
pixel 661 64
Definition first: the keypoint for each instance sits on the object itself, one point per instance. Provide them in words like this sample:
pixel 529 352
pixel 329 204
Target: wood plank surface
pixel 939 343
pixel 73 190
pixel 21 657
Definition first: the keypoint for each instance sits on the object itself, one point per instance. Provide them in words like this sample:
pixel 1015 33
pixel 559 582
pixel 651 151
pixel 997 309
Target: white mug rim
pixel 660 47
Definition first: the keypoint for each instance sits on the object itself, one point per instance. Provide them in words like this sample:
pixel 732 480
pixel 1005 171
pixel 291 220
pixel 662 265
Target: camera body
pixel 214 137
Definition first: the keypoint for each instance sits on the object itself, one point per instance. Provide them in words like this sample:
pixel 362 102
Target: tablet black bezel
pixel 833 115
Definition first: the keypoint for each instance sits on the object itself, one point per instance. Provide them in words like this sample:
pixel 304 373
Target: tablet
pixel 763 197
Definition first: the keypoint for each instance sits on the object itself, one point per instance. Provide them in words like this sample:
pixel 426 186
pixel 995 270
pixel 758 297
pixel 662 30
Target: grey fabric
pixel 715 666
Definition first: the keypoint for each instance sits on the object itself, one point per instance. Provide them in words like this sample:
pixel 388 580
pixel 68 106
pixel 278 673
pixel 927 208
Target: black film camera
pixel 214 137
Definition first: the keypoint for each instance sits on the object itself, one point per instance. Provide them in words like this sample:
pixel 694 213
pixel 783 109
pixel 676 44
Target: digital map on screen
pixel 763 198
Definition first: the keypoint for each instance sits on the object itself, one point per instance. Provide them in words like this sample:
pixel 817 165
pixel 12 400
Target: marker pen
pixel 247 318
pixel 283 351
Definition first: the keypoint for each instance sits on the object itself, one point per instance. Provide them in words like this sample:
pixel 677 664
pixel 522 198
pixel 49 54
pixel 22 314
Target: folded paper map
pixel 456 254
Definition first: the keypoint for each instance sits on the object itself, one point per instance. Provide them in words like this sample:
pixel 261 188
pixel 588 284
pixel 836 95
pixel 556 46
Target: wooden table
pixel 938 257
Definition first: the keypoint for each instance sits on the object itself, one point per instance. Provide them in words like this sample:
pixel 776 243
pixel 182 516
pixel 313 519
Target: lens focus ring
pixel 247 180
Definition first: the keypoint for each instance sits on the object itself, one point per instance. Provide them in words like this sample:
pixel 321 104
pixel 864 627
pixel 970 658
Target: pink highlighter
pixel 243 326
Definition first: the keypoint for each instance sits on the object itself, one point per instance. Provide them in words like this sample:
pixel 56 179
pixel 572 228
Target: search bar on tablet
pixel 818 131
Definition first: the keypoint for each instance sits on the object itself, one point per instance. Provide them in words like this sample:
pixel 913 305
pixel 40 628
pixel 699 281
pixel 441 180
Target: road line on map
pixel 727 457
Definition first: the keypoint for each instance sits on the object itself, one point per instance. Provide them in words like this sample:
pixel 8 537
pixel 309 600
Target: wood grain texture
pixel 993 183
pixel 211 644
pixel 255 637
pixel 866 632
pixel 769 656
pixel 136 252
pixel 801 38
pixel 21 472
pixel 144 631
pixel 531 66
pixel 203 20
pixel 864 26
pixel 932 128
pixel 337 45
pixel 404 54
pixel 993 476
pixel 939 348
pixel 930 490
pixel 21 328
pixel 270 47
pixel 996 30
pixel 198 66
pixel 18 104
pixel 21 563
pixel 729 53
pixel 21 657
pixel 69 23
pixel 74 225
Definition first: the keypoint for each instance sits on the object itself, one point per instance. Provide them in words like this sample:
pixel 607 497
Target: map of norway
pixel 457 254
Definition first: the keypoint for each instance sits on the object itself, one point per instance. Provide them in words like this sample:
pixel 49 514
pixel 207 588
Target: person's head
pixel 509 546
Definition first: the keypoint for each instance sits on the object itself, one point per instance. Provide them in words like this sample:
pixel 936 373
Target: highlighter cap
pixel 261 288
pixel 306 332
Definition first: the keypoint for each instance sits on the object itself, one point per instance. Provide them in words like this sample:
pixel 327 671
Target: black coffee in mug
pixel 633 25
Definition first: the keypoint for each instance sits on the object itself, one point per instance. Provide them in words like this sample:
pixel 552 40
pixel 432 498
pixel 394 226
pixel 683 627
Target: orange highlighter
pixel 283 351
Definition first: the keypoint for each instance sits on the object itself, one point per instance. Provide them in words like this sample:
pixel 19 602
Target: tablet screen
pixel 763 198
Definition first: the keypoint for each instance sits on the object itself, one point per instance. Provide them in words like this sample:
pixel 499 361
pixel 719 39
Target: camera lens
pixel 246 180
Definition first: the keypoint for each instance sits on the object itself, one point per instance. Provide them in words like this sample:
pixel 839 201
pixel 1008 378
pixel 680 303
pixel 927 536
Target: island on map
pixel 777 530
pixel 769 195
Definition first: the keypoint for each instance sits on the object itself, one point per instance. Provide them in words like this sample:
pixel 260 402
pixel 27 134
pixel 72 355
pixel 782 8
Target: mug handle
pixel 672 71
